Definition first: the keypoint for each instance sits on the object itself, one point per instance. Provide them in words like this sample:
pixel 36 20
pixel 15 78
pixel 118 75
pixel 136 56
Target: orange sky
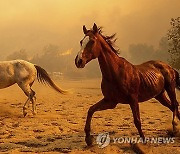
pixel 33 24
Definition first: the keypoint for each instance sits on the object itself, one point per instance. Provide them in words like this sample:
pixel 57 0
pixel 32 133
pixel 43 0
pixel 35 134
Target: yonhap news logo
pixel 103 140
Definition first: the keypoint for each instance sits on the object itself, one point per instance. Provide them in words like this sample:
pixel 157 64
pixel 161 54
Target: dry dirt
pixel 59 123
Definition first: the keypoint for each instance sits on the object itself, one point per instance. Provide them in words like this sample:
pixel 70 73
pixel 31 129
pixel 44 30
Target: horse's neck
pixel 109 63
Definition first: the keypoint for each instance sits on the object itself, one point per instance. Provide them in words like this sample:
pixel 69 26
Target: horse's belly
pixel 6 81
pixel 150 91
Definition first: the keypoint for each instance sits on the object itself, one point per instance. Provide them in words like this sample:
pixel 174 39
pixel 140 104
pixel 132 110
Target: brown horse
pixel 123 82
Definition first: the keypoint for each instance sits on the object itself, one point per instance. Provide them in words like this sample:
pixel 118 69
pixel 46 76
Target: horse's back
pixel 156 65
pixel 6 74
pixel 16 71
pixel 166 70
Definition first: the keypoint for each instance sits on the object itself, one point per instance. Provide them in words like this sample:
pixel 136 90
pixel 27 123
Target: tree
pixel 174 42
pixel 140 53
pixel 49 58
pixel 22 54
pixel 162 52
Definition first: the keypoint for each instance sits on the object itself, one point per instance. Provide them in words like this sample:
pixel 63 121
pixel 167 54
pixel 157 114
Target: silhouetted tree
pixel 174 42
pixel 140 53
pixel 49 59
pixel 162 52
pixel 22 54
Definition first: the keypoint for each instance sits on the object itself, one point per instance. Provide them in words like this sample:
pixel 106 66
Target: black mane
pixel 110 40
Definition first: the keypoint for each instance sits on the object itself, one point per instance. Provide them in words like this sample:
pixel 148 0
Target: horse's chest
pixel 113 92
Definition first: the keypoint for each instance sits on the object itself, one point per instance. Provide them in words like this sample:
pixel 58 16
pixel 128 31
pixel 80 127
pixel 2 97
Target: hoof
pixel 88 140
pixel 34 113
pixel 174 123
pixel 24 113
pixel 175 128
pixel 173 132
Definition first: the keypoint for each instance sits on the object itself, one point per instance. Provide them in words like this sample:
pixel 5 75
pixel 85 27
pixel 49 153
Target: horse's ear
pixel 95 28
pixel 84 30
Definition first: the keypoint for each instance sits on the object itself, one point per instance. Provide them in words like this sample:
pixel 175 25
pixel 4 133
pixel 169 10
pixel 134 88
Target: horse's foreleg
pixel 101 105
pixel 136 115
pixel 29 93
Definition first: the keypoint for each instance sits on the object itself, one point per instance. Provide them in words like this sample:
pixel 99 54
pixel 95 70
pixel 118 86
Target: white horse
pixel 24 74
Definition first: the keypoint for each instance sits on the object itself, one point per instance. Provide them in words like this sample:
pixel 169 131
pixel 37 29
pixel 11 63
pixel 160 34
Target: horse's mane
pixel 110 39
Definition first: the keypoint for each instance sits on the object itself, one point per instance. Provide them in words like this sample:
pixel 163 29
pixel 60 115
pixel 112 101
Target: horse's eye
pixel 91 41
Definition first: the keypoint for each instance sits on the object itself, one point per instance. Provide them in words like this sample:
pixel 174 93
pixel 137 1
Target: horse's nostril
pixel 76 59
pixel 80 61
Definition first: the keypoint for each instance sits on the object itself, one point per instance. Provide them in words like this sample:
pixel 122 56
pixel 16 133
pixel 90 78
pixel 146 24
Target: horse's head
pixel 90 47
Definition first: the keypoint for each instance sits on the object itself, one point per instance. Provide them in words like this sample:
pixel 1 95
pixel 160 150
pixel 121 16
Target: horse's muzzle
pixel 79 62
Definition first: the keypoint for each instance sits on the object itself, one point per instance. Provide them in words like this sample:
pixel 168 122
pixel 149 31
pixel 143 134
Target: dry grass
pixel 59 124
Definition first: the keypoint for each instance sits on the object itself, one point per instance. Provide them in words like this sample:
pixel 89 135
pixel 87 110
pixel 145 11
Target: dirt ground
pixel 59 123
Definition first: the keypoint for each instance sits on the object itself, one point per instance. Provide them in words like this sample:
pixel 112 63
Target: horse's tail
pixel 44 78
pixel 178 87
pixel 177 80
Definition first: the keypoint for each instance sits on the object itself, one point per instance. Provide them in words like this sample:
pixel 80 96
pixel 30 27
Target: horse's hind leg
pixel 172 95
pixel 33 100
pixel 164 101
pixel 25 108
pixel 30 94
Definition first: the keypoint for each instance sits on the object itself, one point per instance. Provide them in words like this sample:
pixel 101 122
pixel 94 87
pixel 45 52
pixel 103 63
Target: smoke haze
pixel 32 25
